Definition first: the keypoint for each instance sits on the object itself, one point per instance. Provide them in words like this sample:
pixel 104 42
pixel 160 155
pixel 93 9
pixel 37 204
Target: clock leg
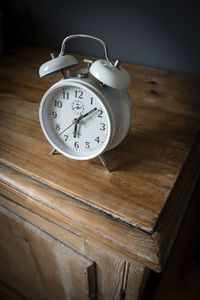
pixel 104 162
pixel 101 157
pixel 53 151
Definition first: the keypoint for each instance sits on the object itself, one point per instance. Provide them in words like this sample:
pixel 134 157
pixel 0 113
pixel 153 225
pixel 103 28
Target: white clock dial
pixel 75 121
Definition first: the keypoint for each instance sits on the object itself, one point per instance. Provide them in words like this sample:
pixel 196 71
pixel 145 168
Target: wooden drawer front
pixel 38 265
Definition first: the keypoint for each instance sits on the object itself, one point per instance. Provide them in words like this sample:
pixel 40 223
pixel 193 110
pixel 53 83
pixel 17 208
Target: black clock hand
pixel 75 130
pixel 81 118
pixel 85 115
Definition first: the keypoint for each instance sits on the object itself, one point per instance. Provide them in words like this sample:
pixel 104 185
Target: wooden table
pixel 68 232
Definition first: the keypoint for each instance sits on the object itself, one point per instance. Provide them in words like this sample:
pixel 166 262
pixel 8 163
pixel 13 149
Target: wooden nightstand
pixel 70 229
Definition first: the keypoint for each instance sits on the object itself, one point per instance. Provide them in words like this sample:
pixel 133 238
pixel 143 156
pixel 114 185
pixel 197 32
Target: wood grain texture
pixel 104 278
pixel 50 263
pixel 110 274
pixel 7 292
pixel 129 208
pixel 182 272
pixel 171 217
pixel 72 216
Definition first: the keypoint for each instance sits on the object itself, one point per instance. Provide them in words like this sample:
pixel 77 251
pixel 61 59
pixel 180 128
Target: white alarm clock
pixel 89 110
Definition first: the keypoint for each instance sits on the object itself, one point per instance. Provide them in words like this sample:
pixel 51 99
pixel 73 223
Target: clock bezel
pixel 90 88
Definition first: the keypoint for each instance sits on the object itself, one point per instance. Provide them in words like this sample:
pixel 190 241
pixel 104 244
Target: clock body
pixel 104 117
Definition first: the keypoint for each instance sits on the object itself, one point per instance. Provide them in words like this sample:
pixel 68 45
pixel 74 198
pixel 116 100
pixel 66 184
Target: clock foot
pixel 53 151
pixel 104 162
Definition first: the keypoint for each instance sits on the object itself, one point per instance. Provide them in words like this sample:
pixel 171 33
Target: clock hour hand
pixel 85 115
pixel 75 130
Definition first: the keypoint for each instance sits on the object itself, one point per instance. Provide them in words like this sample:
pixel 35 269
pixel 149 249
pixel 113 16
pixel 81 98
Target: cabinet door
pixel 39 266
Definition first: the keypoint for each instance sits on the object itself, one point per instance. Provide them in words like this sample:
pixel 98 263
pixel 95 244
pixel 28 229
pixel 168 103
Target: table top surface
pixel 144 166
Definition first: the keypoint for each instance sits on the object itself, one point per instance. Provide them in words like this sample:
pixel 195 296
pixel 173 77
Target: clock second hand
pixel 73 122
pixel 81 118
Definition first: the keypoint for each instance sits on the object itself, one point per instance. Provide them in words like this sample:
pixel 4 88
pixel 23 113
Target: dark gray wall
pixel 162 34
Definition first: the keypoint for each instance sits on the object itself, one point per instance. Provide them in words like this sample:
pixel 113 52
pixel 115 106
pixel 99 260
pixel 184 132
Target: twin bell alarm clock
pixel 89 110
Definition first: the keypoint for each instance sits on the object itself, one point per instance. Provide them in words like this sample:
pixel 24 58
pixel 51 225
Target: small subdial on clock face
pixel 78 107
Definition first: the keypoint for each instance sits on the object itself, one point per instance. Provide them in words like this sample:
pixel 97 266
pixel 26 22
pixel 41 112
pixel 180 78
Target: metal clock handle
pixel 62 51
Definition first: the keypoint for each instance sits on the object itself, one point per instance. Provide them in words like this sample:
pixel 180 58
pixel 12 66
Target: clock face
pixel 75 121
